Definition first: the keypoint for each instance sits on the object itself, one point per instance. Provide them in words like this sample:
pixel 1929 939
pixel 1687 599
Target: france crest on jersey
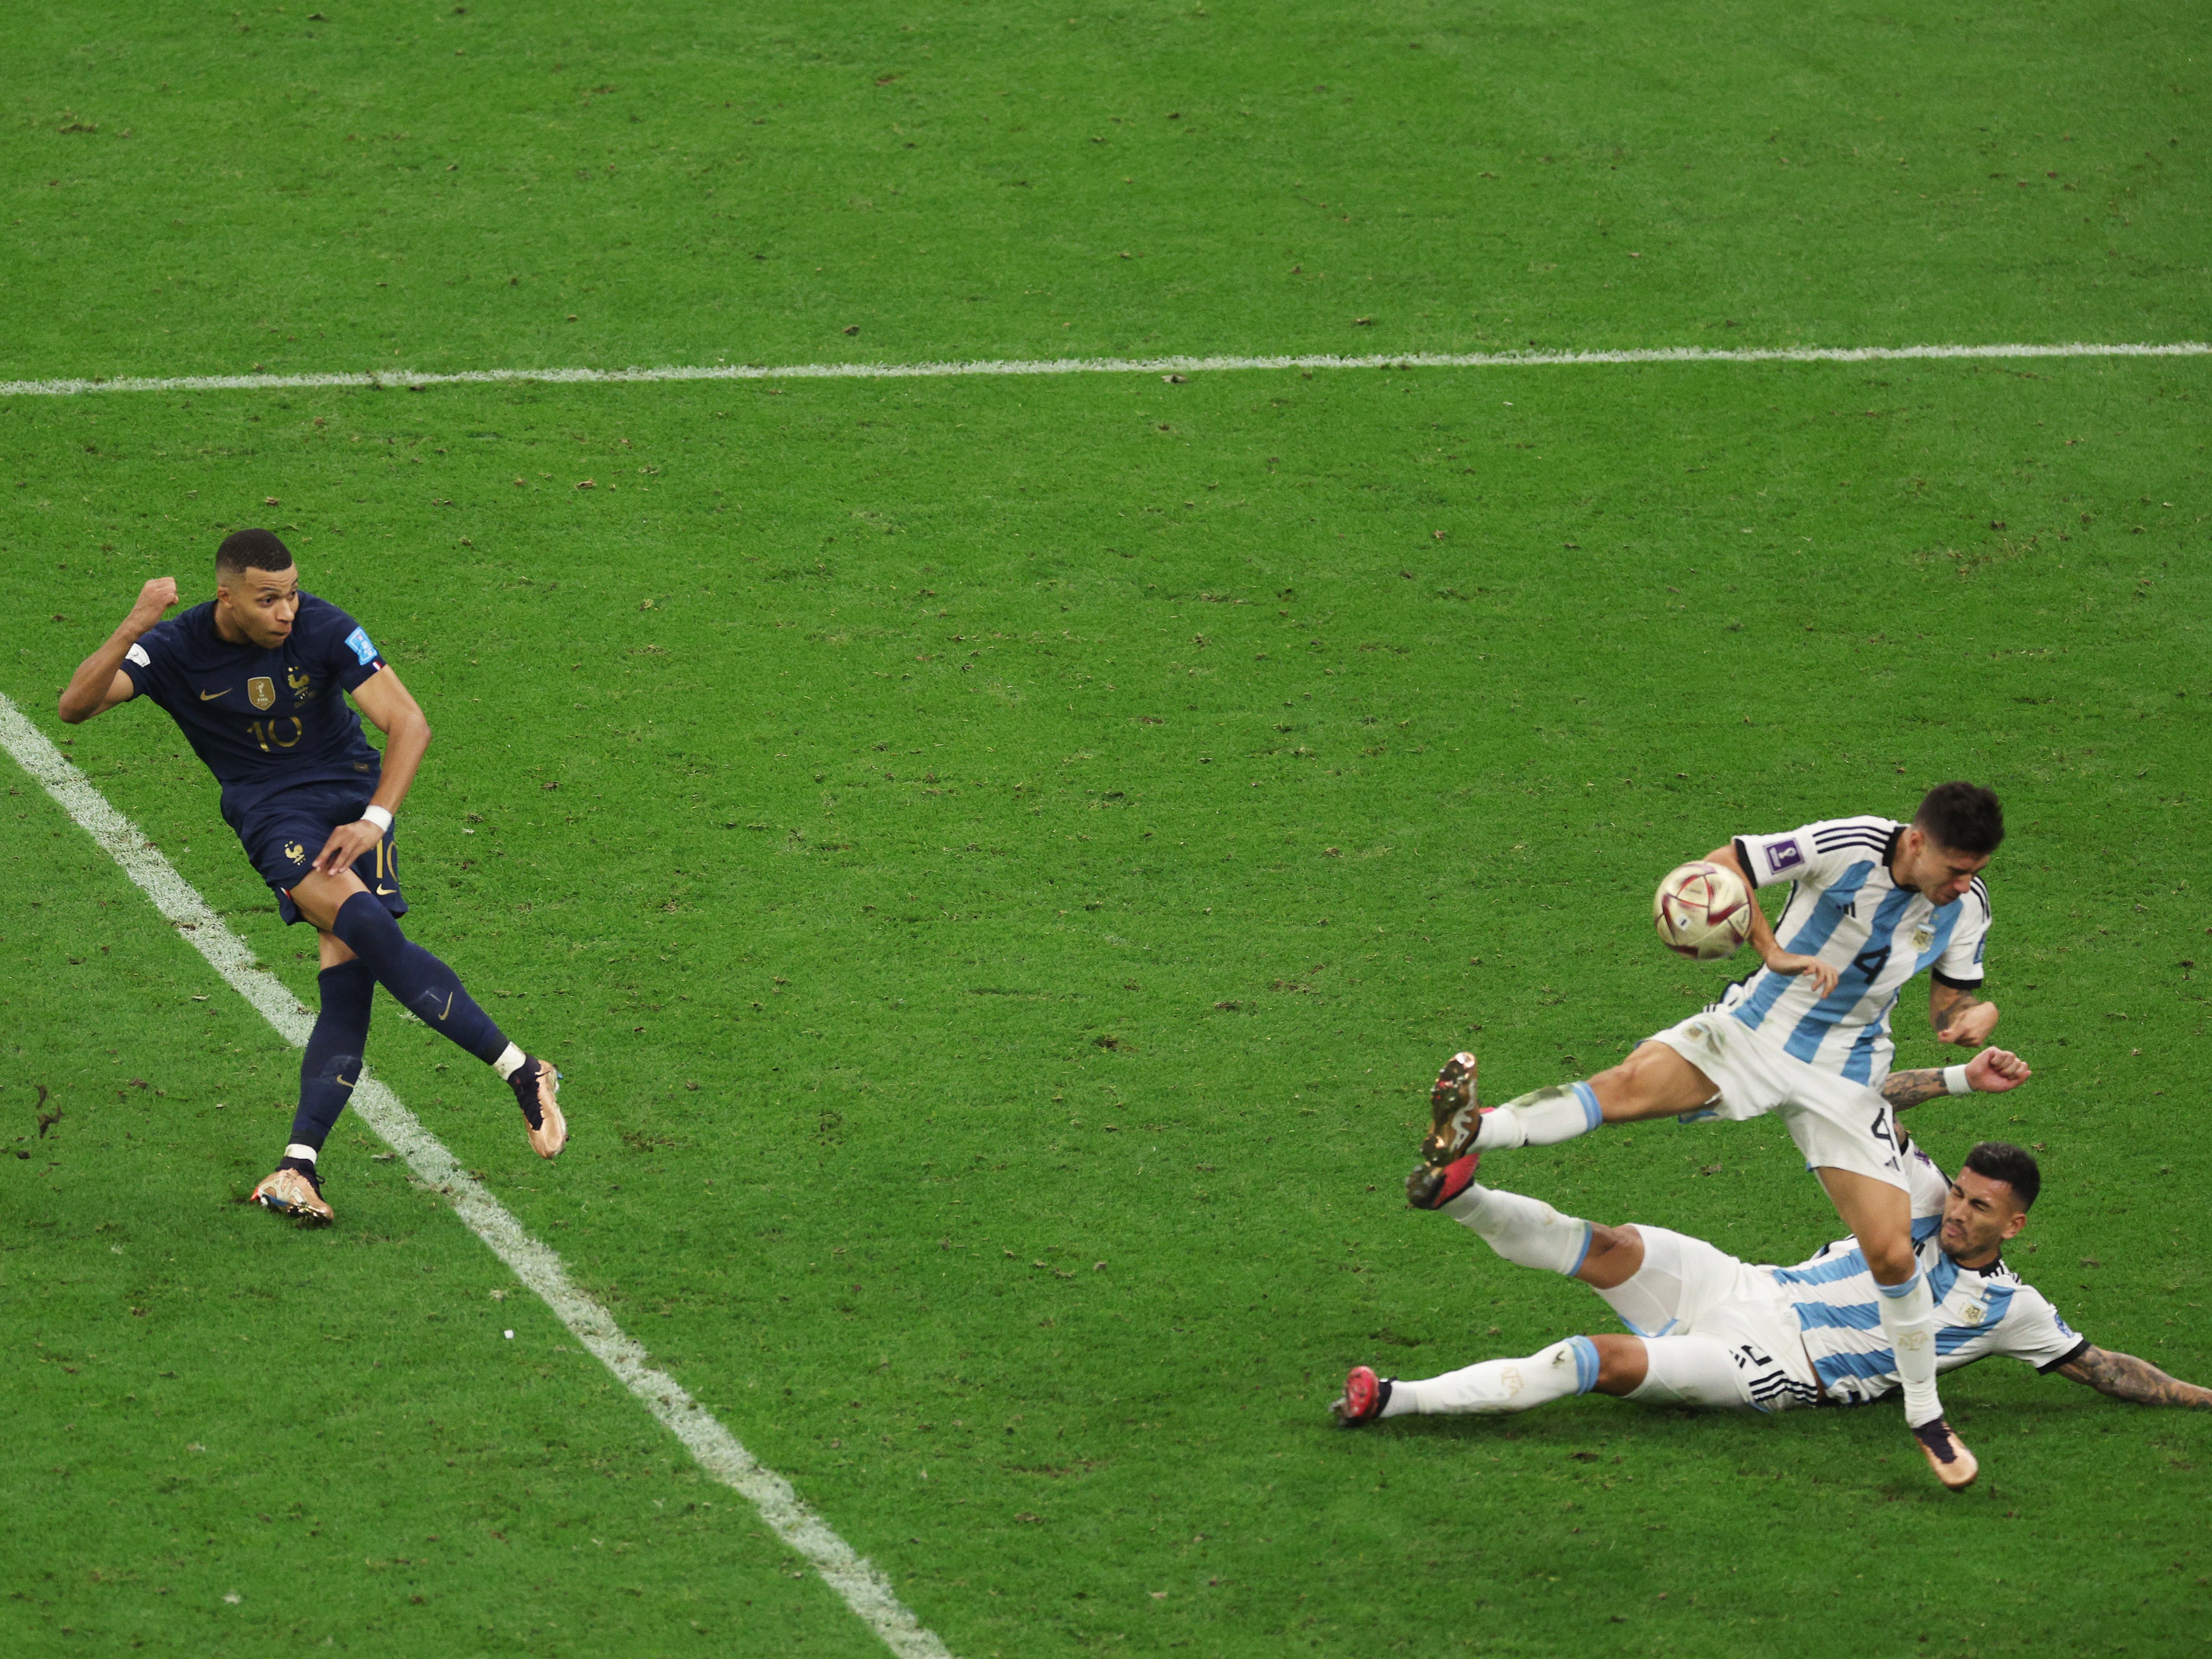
pixel 263 719
pixel 1845 909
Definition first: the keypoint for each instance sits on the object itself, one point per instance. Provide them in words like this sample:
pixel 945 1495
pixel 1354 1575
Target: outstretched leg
pixel 1684 1370
pixel 1652 1278
pixel 1653 1082
pixel 339 905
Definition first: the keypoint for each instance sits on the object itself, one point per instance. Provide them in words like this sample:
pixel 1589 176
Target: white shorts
pixel 1727 1338
pixel 1836 1124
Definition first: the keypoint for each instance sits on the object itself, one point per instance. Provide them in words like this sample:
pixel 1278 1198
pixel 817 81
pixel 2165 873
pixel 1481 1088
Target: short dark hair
pixel 252 550
pixel 1964 817
pixel 2013 1165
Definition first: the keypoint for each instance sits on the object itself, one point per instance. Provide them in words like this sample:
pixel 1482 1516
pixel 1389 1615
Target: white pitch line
pixel 864 1589
pixel 411 379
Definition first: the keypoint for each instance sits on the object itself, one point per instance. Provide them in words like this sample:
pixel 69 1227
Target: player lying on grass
pixel 1871 903
pixel 256 678
pixel 1711 1330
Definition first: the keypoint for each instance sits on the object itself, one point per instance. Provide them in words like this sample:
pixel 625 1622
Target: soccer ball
pixel 1703 910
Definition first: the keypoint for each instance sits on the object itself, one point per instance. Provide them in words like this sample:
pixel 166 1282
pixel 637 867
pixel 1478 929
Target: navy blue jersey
pixel 264 721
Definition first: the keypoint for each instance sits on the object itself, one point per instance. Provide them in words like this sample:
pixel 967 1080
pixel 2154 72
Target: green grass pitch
pixel 999 860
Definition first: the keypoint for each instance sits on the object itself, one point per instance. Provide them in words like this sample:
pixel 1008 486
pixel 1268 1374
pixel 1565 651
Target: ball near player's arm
pixel 406 731
pixel 1873 902
pixel 1763 941
pixel 99 683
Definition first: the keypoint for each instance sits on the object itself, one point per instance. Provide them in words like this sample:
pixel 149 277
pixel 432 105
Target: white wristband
pixel 1954 1081
pixel 382 819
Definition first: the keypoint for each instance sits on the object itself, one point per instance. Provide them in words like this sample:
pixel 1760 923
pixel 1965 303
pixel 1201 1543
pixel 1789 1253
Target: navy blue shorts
pixel 282 834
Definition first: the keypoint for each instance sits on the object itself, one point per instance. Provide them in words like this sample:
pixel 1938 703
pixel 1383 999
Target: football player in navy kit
pixel 256 678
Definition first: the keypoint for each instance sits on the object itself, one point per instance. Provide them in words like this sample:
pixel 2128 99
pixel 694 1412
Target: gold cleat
pixel 1454 1116
pixel 289 1193
pixel 536 1084
pixel 1946 1455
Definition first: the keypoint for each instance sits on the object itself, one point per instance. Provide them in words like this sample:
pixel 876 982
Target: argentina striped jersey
pixel 1978 1312
pixel 1845 909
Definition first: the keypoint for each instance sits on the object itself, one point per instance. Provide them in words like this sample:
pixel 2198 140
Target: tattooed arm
pixel 2125 1377
pixel 1904 1088
pixel 1989 1072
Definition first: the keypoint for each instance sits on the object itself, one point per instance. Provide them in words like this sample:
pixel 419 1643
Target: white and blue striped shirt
pixel 1978 1312
pixel 1846 909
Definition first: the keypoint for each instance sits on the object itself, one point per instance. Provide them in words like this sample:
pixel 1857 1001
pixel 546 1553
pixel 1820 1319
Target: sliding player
pixel 257 680
pixel 1715 1330
pixel 1871 903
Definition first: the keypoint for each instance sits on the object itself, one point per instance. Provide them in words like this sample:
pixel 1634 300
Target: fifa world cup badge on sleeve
pixel 1781 855
pixel 357 643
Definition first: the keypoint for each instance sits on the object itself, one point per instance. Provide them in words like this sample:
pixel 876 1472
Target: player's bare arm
pixel 1993 1072
pixel 392 708
pixel 1762 931
pixel 99 683
pixel 1960 1016
pixel 2125 1377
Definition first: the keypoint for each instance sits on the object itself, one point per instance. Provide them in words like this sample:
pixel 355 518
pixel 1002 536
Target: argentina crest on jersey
pixel 1846 910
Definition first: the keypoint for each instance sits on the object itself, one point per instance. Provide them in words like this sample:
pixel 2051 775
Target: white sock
pixel 1525 1231
pixel 1543 1119
pixel 509 1060
pixel 305 1153
pixel 1503 1385
pixel 1908 1319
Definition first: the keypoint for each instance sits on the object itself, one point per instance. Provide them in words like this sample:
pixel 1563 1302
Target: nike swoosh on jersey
pixel 209 697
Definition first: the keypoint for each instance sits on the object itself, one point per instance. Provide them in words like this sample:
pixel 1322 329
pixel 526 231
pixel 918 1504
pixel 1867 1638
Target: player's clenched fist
pixel 155 597
pixel 1995 1070
pixel 1972 1020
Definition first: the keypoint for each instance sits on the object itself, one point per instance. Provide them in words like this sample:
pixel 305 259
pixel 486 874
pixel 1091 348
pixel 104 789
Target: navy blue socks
pixel 423 985
pixel 332 1065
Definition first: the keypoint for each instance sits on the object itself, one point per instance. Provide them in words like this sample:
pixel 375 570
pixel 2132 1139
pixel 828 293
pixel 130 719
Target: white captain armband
pixel 1954 1081
pixel 382 819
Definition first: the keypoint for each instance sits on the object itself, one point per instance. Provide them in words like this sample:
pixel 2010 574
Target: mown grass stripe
pixel 863 1588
